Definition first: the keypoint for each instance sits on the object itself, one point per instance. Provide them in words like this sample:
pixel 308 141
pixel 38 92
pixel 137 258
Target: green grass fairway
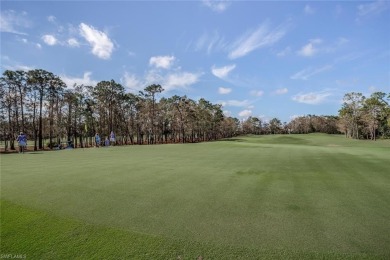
pixel 272 197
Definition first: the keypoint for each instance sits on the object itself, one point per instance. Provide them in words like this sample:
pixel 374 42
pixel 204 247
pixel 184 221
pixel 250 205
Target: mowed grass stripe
pixel 261 193
pixel 38 235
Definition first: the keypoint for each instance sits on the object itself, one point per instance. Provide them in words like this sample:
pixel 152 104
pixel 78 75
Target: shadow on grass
pixel 232 140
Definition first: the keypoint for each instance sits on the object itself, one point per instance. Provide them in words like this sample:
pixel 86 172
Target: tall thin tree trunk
pixel 40 135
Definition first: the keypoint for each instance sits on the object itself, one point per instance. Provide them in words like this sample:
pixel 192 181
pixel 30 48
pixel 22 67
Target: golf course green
pixel 313 196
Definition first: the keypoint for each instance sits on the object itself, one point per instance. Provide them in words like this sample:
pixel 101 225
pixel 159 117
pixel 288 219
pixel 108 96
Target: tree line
pixel 359 118
pixel 39 103
pixel 362 117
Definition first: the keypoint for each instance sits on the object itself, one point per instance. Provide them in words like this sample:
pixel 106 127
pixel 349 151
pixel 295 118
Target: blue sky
pixel 257 58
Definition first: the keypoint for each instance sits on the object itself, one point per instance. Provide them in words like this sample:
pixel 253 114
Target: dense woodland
pixel 39 103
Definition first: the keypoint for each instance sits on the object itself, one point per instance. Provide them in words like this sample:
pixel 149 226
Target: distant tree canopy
pixel 39 103
pixel 362 117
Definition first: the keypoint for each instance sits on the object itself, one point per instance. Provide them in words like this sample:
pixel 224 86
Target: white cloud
pixel 235 103
pixel 51 18
pixel 85 80
pixel 312 98
pixel 224 91
pixel 305 74
pixel 50 39
pixel 264 118
pixel 153 77
pixel 310 49
pixel 24 67
pixel 295 116
pixel 101 44
pixel 308 10
pixel 5 57
pixel 315 46
pixel 164 62
pixel 373 8
pixel 245 113
pixel 131 82
pixel 24 40
pixel 180 80
pixel 281 91
pixel 217 5
pixel 250 41
pixel 39 46
pixel 227 113
pixel 169 82
pixel 222 72
pixel 257 93
pixel 18 67
pixel 11 21
pixel 72 42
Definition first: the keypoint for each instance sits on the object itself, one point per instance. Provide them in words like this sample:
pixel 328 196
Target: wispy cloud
pixel 51 18
pixel 245 113
pixel 284 52
pixel 261 37
pixel 218 6
pixel 257 93
pixel 312 98
pixel 15 65
pixel 30 43
pixel 317 46
pixel 85 80
pixel 169 81
pixel 373 8
pixel 235 103
pixel 131 82
pixel 281 91
pixel 14 22
pixel 307 73
pixel 49 39
pixel 101 44
pixel 180 80
pixel 372 89
pixel 310 49
pixel 227 113
pixel 210 42
pixel 164 62
pixel 295 116
pixel 224 91
pixel 308 10
pixel 72 42
pixel 222 72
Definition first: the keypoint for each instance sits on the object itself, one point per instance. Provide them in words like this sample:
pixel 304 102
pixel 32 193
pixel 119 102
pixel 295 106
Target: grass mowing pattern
pixel 298 196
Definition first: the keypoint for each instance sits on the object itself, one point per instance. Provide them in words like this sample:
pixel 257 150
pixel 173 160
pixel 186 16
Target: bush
pixel 52 145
